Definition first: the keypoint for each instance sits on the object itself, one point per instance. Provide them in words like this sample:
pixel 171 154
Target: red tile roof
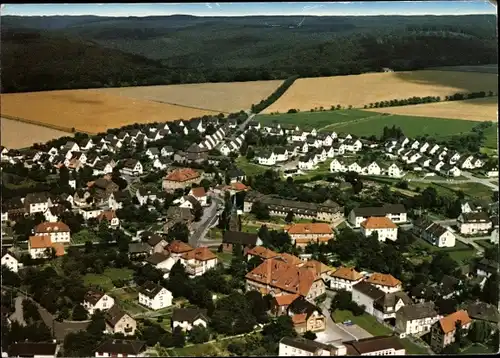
pixel 49 227
pixel 181 175
pixel 448 323
pixel 374 222
pixel 313 228
pixel 198 192
pixel 200 254
pixel 178 247
pixel 383 280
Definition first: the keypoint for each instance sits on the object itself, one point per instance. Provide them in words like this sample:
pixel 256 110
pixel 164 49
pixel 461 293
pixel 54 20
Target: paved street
pixel 18 313
pixel 486 182
pixel 208 219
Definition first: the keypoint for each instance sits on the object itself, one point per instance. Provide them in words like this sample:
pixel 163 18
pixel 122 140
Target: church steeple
pixel 234 219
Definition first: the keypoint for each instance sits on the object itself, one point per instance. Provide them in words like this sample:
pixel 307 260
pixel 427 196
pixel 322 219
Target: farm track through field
pixel 336 125
pixel 191 107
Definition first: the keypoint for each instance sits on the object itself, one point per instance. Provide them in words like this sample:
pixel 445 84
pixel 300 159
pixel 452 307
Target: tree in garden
pixel 199 334
pixel 279 328
pixel 479 332
pixel 79 313
pixel 289 217
pixel 310 335
pixel 178 337
pixel 260 210
pixel 341 301
pixel 490 289
pixel 179 231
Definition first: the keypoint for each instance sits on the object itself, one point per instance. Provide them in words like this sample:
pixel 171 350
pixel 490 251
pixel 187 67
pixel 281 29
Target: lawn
pixel 457 253
pixel 322 169
pixel 200 350
pixel 224 257
pixel 250 168
pixel 475 190
pixel 83 236
pixel 325 120
pixel 484 243
pixel 250 228
pixel 411 126
pixel 412 348
pixel 478 349
pixel 365 321
pixel 105 279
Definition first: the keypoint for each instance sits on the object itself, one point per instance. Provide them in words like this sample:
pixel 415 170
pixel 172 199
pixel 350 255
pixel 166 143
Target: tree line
pixel 428 99
pixel 256 108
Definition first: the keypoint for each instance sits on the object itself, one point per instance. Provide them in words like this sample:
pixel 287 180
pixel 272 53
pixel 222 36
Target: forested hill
pixel 55 52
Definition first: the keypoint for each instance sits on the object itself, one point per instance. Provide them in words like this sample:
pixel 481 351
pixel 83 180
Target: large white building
pixel 58 231
pixel 474 223
pixel 344 278
pixel 383 226
pixel 395 212
pixel 154 296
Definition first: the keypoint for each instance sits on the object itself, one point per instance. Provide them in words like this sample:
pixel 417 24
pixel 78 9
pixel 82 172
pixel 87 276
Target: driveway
pixel 18 313
pixel 336 332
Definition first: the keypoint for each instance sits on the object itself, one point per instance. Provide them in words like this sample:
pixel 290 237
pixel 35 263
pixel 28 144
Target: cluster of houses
pixel 432 157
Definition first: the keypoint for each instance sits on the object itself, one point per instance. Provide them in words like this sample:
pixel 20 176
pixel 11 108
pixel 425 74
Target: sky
pixel 257 8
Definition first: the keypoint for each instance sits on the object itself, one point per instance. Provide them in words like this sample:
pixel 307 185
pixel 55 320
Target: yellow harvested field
pixel 90 110
pixel 358 90
pixel 220 97
pixel 480 109
pixel 17 135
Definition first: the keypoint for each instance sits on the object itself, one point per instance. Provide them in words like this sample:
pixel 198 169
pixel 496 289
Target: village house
pixel 154 296
pixel 416 319
pixel 120 348
pixel 162 163
pixel 199 194
pixel 58 231
pixel 91 212
pixel 40 246
pixel 372 169
pixel 53 213
pixel 178 248
pixel 110 217
pixel 132 167
pixel 337 167
pixel 474 223
pixel 306 316
pixel 277 277
pixel 378 303
pixel 245 239
pixel 144 195
pixel 481 311
pixel 119 321
pixel 96 300
pixel 260 252
pixel 375 346
pixel 382 226
pixel 344 278
pixel 236 175
pixel 443 331
pixel 187 318
pixel 10 261
pixel 167 151
pixel 32 349
pixel 198 261
pixel 302 347
pixel 395 212
pixel 37 202
pixel 139 250
pixel 306 162
pixel 385 282
pixel 433 233
pixel 180 178
pixel 266 157
pixel 303 234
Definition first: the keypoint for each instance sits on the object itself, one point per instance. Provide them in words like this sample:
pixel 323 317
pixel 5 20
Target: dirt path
pixel 336 125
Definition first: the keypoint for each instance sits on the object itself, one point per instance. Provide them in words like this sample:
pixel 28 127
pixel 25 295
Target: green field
pixel 474 190
pixel 105 279
pixel 491 134
pixel 250 168
pixel 363 123
pixel 412 348
pixel 478 349
pixel 310 120
pixel 365 321
pixel 484 243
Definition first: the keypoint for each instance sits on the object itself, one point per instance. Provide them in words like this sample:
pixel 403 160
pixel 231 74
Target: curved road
pixel 470 179
pixel 209 218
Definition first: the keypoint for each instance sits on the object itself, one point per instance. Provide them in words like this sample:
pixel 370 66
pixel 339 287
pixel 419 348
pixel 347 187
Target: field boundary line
pixel 46 125
pixel 340 124
pixel 190 107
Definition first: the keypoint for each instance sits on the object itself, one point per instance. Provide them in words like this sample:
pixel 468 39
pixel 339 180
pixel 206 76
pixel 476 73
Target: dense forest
pixel 41 53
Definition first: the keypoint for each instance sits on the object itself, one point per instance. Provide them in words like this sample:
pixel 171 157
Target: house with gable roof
pixel 97 300
pixel 198 261
pixel 443 331
pixel 154 296
pixel 57 231
pixel 344 278
pixel 119 321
